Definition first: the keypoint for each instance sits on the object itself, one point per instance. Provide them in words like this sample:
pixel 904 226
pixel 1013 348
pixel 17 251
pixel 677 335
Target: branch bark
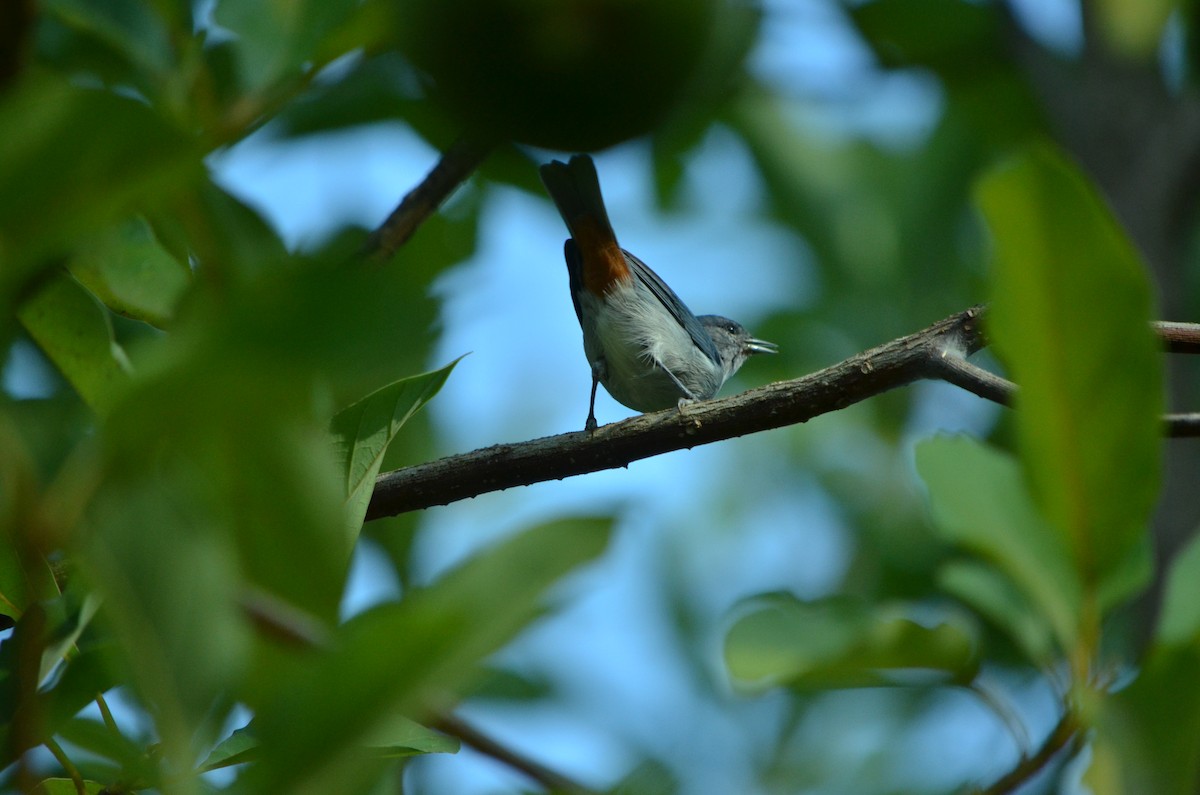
pixel 456 164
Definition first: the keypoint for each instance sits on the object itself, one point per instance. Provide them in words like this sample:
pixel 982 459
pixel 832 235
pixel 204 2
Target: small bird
pixel 643 343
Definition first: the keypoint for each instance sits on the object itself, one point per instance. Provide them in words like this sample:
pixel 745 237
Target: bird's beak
pixel 760 346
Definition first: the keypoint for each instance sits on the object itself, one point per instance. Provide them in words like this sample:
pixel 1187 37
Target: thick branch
pixel 937 352
pixel 896 363
pixel 462 158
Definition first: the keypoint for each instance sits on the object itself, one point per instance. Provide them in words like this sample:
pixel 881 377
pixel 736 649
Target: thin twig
pixel 452 169
pixel 551 780
pixel 67 765
pixel 1065 733
pixel 106 715
pixel 1004 711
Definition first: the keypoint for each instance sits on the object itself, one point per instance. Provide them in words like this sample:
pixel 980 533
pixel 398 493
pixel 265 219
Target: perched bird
pixel 643 343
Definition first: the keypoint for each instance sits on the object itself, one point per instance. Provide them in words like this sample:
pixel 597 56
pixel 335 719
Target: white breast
pixel 639 341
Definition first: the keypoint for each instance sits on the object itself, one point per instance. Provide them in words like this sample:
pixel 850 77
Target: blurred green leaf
pixel 75 333
pixel 1179 622
pixel 127 269
pixel 980 503
pixel 65 786
pixel 22 581
pixel 1134 28
pixel 394 737
pixel 363 431
pixel 649 778
pixel 25 574
pixel 277 40
pixel 168 570
pixel 843 642
pixel 993 595
pixel 397 737
pixel 408 657
pixel 1147 735
pixel 239 747
pixel 1070 318
pixel 383 88
pixel 74 615
pixel 951 36
pixel 97 738
pixel 129 28
pixel 83 158
pixel 84 676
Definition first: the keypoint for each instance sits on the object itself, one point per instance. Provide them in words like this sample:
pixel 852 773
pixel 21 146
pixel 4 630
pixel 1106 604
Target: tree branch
pixel 1065 733
pixel 937 352
pixel 462 158
pixel 551 780
pixel 878 370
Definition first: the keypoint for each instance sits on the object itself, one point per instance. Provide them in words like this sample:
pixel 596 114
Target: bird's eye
pixel 731 329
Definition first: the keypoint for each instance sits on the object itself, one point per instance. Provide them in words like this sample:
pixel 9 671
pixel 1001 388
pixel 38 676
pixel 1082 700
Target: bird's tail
pixel 575 189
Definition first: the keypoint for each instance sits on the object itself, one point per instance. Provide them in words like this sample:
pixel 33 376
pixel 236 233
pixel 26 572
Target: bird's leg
pixel 599 367
pixel 686 397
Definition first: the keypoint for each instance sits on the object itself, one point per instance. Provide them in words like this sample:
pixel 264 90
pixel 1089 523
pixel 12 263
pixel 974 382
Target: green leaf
pixel 131 273
pixel 96 737
pixel 74 621
pixel 1179 622
pixel 72 329
pixel 399 659
pixel 1147 735
pixel 363 431
pixel 239 747
pixel 129 28
pixel 951 36
pixel 994 596
pixel 397 736
pixel 1134 28
pixel 842 642
pixel 394 737
pixel 83 158
pixel 276 40
pixel 65 786
pixel 1070 318
pixel 981 504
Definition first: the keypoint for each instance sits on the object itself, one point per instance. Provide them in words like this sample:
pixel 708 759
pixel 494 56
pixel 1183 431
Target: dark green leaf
pixel 1070 318
pixel 981 504
pixel 842 642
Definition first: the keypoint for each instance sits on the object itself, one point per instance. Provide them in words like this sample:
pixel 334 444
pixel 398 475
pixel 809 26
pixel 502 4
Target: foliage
pixel 180 510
